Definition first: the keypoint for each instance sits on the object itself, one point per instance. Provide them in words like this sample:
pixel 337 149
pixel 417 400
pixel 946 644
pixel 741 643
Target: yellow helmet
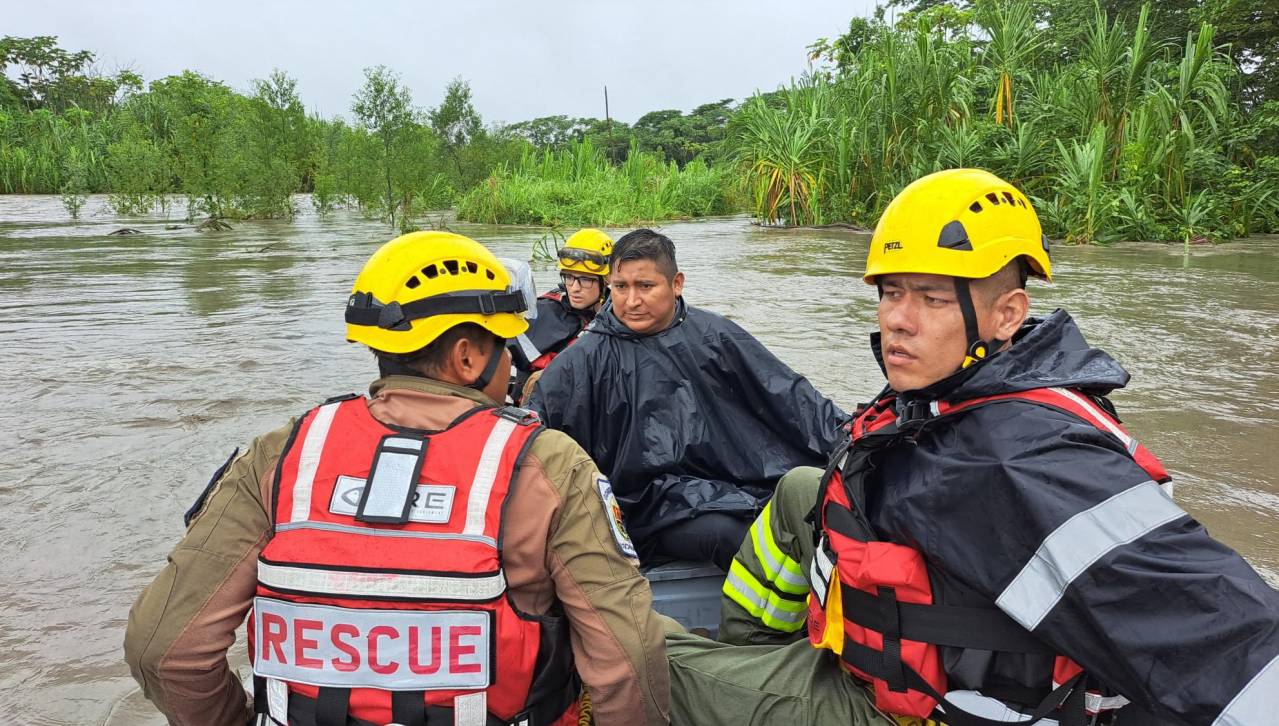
pixel 965 223
pixel 587 251
pixel 419 285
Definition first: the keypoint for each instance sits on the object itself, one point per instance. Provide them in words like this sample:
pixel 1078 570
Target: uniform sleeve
pixel 1096 559
pixel 183 623
pixel 618 642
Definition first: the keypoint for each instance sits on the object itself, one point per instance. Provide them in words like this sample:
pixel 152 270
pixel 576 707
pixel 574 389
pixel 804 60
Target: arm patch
pixel 208 488
pixel 614 512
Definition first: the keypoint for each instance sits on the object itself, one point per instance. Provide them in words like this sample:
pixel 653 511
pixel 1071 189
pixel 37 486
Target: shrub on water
pixel 75 186
pixel 577 185
pixel 137 174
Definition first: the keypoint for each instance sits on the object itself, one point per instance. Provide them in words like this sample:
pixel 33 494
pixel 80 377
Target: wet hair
pixel 429 361
pixel 1011 276
pixel 645 244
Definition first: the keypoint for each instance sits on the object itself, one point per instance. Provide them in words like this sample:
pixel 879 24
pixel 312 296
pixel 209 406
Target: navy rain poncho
pixel 698 418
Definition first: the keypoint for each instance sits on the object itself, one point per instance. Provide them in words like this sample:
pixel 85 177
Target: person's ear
pixel 678 283
pixel 464 362
pixel 1010 311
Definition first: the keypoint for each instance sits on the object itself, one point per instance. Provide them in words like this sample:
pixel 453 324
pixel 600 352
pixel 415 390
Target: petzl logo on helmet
pixel 890 246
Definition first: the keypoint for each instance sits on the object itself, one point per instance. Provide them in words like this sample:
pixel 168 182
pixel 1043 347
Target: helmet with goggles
pixel 586 251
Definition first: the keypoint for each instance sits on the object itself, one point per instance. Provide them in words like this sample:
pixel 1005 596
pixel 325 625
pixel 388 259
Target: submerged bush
pixel 578 186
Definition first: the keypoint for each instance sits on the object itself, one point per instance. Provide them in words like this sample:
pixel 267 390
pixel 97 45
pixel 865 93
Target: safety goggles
pixel 568 280
pixel 590 261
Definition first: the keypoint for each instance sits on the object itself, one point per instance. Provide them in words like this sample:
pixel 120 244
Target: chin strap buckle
pixel 914 413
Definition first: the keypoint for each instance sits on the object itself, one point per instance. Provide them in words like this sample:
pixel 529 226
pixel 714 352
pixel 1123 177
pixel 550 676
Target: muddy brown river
pixel 130 367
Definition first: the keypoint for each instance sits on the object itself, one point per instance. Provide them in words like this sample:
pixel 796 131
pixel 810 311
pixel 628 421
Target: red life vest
pixel 872 601
pixel 390 621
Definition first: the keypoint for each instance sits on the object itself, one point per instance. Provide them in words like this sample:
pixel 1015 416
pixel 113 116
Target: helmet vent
pixel 994 198
pixel 954 237
pixel 1009 197
pixel 474 268
pixel 431 272
pixel 451 266
pixel 1022 202
pixel 413 282
pixel 490 274
pixel 975 206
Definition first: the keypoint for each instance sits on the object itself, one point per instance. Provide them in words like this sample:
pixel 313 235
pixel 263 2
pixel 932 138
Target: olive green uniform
pixel 764 670
pixel 559 551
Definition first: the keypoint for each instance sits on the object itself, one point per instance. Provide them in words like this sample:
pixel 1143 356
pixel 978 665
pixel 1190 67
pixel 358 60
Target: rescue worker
pixel 563 313
pixel 993 544
pixel 418 555
pixel 693 418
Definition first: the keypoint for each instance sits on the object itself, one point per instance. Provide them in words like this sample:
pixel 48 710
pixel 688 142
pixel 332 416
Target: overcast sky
pixel 523 59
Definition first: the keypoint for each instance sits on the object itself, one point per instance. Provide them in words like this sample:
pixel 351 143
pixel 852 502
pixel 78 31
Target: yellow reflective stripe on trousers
pixel 761 602
pixel 785 573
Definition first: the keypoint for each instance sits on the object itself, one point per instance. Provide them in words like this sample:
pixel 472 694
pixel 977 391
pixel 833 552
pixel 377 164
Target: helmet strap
pixel 978 348
pixel 490 368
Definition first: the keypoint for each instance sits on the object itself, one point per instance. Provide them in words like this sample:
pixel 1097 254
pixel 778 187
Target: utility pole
pixel 612 148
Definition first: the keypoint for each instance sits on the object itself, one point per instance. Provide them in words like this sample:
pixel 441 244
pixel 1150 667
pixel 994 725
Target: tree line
pixel 67 128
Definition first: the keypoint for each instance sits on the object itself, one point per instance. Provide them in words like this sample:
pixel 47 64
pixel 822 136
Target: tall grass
pixel 578 185
pixel 1112 142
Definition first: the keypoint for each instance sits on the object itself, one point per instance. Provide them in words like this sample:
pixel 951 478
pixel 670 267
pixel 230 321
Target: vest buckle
pixel 517 415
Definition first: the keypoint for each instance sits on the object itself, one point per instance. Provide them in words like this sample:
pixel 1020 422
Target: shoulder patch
pixel 614 512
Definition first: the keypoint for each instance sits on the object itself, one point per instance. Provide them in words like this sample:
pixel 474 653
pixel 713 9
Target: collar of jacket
pixel 429 385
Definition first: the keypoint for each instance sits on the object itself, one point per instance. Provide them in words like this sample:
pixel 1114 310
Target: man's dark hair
pixel 430 360
pixel 645 244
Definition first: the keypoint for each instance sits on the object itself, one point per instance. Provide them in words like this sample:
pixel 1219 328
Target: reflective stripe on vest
pixel 485 476
pixel 381 584
pixel 309 461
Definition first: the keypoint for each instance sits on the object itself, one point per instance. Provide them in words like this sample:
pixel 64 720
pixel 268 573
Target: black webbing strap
pixel 964 296
pixel 331 706
pixel 894 668
pixel 259 695
pixel 363 309
pixel 408 708
pixel 1069 696
pixel 950 625
pixel 305 711
pixel 490 368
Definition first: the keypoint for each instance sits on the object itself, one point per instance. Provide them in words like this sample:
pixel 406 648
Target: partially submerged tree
pixel 384 106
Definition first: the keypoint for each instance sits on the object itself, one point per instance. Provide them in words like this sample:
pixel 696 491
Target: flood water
pixel 130 367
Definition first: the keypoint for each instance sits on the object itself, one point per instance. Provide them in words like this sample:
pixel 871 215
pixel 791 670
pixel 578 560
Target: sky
pixel 522 59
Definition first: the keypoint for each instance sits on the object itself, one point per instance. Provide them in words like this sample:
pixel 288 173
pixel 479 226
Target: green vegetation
pixel 1123 121
pixel 65 130
pixel 578 186
pixel 1118 134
